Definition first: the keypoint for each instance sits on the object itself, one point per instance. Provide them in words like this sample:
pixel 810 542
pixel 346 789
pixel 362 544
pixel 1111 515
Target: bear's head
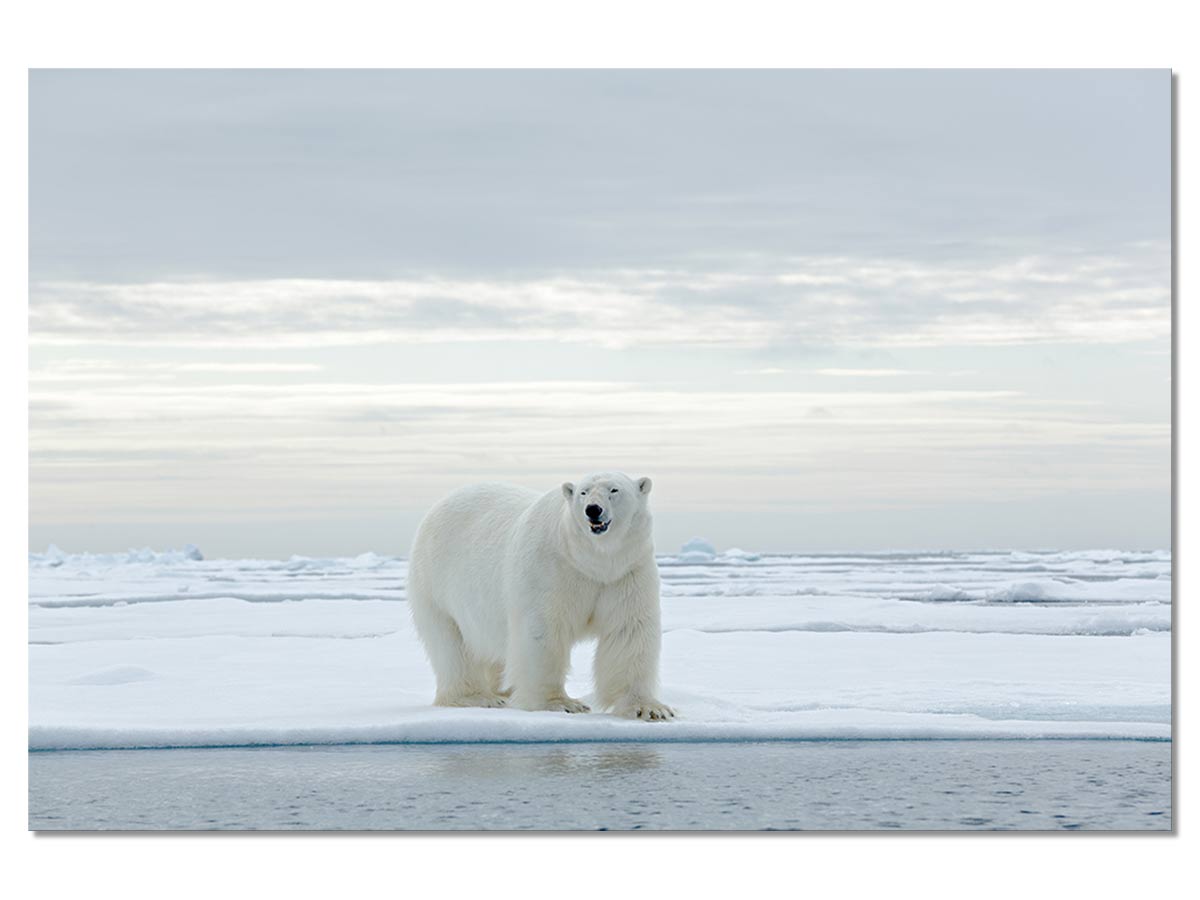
pixel 608 503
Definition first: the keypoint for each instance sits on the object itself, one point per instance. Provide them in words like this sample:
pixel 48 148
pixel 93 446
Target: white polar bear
pixel 503 582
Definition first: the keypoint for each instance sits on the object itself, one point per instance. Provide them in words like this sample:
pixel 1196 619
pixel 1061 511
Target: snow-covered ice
pixel 150 649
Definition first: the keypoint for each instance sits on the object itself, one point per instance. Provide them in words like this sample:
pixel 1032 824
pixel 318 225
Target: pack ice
pixel 170 649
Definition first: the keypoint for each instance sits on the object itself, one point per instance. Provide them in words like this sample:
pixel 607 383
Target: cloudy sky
pixel 282 312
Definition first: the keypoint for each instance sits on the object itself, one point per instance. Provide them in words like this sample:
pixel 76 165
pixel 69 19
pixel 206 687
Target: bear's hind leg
pixel 462 680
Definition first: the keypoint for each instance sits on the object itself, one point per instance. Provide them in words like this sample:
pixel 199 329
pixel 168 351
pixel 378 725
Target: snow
pixel 168 649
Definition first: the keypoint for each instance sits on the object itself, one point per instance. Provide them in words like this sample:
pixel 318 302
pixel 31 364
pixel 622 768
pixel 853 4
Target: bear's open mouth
pixel 599 527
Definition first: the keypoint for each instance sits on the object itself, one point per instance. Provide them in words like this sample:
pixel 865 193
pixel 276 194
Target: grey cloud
pixel 139 175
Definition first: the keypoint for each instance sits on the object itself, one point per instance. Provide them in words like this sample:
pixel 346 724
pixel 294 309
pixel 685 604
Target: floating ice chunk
pixel 738 553
pixel 697 550
pixel 191 551
pixel 52 557
pixel 944 593
pixel 793 646
pixel 1021 592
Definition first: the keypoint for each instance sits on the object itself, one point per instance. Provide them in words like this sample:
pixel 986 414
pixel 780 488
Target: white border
pixel 615 33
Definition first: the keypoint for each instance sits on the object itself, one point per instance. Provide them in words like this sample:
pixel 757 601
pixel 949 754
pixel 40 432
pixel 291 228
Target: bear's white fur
pixel 503 581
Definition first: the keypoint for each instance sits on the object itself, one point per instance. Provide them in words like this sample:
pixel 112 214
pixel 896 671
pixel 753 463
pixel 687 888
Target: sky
pixel 277 312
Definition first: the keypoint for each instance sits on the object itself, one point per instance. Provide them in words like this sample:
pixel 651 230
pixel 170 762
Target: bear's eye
pixel 613 491
pixel 583 493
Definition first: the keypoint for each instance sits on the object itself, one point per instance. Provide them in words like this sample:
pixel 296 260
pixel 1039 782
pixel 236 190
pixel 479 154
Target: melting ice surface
pixel 171 650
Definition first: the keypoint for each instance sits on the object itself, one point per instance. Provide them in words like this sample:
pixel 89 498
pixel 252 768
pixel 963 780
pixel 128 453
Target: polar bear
pixel 503 581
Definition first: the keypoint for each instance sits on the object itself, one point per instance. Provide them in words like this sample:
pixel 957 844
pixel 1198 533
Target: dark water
pixel 928 785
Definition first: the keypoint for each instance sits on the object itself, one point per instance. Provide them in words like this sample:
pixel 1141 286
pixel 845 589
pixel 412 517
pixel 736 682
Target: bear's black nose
pixel 593 511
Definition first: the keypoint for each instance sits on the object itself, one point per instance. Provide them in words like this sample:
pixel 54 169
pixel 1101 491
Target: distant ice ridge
pixel 362 561
pixel 1062 589
pixel 53 557
pixel 147 649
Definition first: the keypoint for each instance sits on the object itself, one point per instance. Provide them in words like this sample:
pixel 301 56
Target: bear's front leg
pixel 627 671
pixel 538 658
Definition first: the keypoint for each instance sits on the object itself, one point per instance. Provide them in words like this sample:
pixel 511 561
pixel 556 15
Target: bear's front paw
pixel 646 710
pixel 492 701
pixel 538 703
pixel 568 704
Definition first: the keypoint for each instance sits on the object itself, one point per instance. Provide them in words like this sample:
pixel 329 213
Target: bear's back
pixel 472 519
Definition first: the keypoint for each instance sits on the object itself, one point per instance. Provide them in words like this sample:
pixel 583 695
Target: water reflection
pixel 1059 785
pixel 541 760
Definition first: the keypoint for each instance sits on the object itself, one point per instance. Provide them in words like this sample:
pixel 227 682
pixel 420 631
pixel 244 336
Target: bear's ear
pixel 644 485
pixel 568 490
